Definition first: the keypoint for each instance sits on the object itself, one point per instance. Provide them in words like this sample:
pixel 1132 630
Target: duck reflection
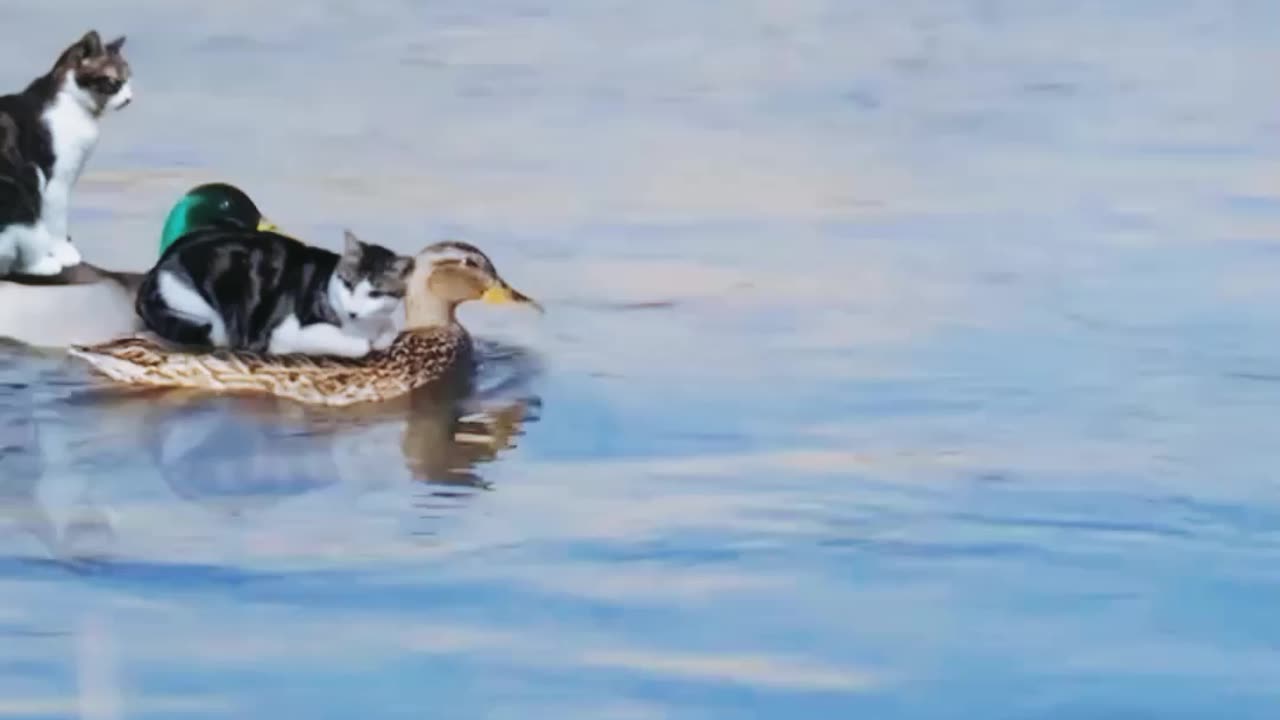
pixel 215 450
pixel 238 455
pixel 231 450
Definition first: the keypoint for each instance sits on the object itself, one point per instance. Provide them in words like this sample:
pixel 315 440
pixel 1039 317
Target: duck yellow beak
pixel 265 225
pixel 501 293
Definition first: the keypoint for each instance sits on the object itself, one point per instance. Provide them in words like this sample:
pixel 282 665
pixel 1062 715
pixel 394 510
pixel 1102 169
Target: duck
pixel 433 350
pixel 87 304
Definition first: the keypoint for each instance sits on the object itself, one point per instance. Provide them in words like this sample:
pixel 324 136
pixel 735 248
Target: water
pixel 908 360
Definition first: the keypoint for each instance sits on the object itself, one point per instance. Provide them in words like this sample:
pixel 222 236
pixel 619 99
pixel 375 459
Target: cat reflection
pixel 82 529
pixel 21 465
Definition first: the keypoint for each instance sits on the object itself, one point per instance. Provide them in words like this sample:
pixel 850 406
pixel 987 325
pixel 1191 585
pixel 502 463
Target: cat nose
pixel 353 315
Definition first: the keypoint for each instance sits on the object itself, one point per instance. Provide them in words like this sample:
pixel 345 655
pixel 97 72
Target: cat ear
pixel 86 47
pixel 402 266
pixel 352 244
pixel 113 47
pixel 91 43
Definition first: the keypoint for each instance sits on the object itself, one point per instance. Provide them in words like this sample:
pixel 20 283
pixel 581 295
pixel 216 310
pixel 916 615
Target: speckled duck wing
pixel 417 358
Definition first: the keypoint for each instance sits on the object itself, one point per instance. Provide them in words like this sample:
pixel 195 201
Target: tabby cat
pixel 265 292
pixel 47 133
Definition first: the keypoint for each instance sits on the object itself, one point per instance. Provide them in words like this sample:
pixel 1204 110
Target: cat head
pixel 372 279
pixel 96 74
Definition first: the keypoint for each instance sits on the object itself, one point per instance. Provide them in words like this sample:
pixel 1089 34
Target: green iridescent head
pixel 212 205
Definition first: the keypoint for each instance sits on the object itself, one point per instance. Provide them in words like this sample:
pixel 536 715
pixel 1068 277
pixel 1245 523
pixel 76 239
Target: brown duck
pixel 433 348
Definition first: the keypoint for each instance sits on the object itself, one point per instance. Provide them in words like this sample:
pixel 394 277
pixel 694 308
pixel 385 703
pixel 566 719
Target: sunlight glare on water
pixel 910 360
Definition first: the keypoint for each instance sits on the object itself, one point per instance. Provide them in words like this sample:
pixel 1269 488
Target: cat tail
pixel 164 321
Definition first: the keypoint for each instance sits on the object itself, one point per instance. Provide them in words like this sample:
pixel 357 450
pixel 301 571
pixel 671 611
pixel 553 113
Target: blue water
pixel 910 360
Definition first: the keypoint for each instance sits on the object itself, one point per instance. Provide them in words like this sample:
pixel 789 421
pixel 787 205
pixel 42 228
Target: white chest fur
pixel 74 131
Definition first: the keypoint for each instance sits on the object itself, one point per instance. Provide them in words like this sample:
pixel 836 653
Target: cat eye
pixel 107 85
pixel 377 294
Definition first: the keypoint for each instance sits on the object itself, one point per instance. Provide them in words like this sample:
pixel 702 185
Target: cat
pixel 268 293
pixel 47 133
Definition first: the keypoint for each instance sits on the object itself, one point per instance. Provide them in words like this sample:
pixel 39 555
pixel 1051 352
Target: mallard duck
pixel 88 304
pixel 433 348
pixel 212 205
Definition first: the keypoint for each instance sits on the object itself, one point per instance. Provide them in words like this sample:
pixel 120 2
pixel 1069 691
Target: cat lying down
pixel 268 293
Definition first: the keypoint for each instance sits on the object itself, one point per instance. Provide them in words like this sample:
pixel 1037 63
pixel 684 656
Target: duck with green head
pixel 212 205
pixel 88 304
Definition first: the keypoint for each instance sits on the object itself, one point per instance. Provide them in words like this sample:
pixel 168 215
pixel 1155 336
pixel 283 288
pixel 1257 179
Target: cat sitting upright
pixel 47 132
pixel 268 293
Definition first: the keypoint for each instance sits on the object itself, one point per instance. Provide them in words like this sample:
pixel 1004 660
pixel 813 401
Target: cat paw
pixel 352 348
pixel 383 341
pixel 46 265
pixel 66 254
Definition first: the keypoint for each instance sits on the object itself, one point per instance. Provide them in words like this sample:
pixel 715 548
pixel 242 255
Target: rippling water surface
pixel 910 359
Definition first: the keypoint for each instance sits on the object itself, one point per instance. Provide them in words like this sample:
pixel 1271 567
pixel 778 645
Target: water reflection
pixel 235 457
pixel 20 458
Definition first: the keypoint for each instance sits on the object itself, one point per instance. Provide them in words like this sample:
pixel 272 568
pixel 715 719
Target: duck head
pixel 447 274
pixel 212 205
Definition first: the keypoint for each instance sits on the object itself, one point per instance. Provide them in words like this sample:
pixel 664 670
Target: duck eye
pixel 468 262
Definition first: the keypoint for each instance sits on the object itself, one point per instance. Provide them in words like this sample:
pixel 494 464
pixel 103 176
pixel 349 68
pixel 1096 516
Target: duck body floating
pixel 433 349
pixel 417 358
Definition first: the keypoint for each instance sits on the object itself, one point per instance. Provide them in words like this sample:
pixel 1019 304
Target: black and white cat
pixel 47 133
pixel 268 293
